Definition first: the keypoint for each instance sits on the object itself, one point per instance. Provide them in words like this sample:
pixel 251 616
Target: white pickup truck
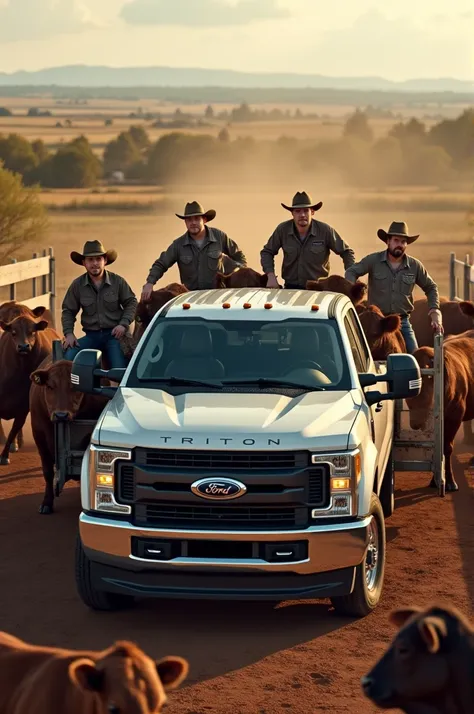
pixel 246 454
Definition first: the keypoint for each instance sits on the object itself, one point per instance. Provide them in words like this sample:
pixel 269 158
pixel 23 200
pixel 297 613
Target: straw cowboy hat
pixel 195 209
pixel 93 248
pixel 303 200
pixel 397 228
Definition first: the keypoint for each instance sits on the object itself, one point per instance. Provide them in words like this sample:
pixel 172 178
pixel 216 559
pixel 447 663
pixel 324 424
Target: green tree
pixel 456 137
pixel 140 137
pixel 40 149
pixel 73 166
pixel 357 126
pixel 120 154
pixel 4 112
pixel 17 154
pixel 411 132
pixel 224 135
pixel 23 217
pixel 209 113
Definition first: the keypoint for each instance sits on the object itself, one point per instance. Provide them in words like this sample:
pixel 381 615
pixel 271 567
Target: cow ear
pixel 85 675
pixel 263 280
pixel 432 630
pixel 312 285
pixel 220 281
pixel 40 376
pixel 358 291
pixel 390 324
pixel 41 325
pixel 467 307
pixel 39 311
pixel 172 671
pixel 400 617
pixel 5 326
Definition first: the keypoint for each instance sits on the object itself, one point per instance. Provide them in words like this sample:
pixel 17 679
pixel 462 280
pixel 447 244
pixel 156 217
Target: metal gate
pixel 461 278
pixel 423 450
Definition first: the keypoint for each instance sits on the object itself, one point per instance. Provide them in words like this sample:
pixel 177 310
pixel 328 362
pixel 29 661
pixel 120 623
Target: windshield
pixel 294 353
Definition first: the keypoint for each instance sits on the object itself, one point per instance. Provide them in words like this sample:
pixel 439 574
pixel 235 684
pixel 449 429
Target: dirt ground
pixel 245 658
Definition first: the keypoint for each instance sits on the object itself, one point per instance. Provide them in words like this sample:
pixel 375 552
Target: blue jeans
pixel 409 335
pixel 100 340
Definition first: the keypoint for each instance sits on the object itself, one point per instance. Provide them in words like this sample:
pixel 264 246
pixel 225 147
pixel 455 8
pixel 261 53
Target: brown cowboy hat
pixel 303 200
pixel 195 209
pixel 91 249
pixel 397 228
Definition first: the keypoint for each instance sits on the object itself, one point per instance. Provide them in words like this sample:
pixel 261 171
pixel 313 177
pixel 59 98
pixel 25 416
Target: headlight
pixel 345 472
pixel 102 474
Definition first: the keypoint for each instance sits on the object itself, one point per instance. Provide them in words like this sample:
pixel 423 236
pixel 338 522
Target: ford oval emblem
pixel 223 489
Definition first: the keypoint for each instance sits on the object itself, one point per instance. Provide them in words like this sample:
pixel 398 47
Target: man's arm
pixel 338 246
pixel 230 248
pixel 129 303
pixel 70 308
pixel 429 287
pixel 357 270
pixel 267 256
pixel 163 263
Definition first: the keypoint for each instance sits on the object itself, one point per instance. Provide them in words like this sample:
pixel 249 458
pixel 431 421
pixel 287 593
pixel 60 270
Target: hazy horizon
pixel 346 39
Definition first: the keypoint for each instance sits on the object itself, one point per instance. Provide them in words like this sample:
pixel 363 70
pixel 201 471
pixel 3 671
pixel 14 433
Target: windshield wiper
pixel 267 382
pixel 182 381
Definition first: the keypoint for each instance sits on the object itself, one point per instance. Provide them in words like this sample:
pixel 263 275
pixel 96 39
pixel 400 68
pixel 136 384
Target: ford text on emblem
pixel 224 489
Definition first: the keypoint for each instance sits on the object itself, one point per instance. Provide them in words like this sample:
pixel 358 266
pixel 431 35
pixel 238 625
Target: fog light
pixel 340 484
pixel 105 480
pixel 105 501
pixel 342 504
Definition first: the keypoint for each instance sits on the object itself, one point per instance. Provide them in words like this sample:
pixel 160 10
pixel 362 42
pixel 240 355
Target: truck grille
pixel 177 515
pixel 318 487
pixel 127 484
pixel 222 460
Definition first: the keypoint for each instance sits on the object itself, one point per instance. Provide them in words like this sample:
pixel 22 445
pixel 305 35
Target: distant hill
pixel 102 76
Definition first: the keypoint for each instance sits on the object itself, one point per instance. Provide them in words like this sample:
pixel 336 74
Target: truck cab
pixel 246 454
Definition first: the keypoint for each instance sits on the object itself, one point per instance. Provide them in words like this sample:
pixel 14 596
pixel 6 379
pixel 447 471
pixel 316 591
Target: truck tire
pixel 387 490
pixel 369 575
pixel 95 599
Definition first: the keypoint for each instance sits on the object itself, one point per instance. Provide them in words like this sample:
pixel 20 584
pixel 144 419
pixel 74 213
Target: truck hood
pixel 152 418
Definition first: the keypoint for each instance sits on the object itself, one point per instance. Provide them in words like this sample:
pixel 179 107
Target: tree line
pixel 409 154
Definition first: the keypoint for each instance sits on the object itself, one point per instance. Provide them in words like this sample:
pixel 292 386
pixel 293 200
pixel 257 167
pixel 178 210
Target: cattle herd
pixel 429 666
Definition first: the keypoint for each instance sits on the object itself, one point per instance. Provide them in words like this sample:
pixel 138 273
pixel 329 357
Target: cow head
pixel 62 403
pixel 241 278
pixel 147 310
pixel 337 284
pixel 467 307
pixel 127 681
pixel 416 669
pixel 420 407
pixel 382 332
pixel 10 310
pixel 23 331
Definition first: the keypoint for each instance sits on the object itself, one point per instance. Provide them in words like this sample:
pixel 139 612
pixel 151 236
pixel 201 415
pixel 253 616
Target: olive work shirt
pixel 114 303
pixel 198 265
pixel 392 290
pixel 304 259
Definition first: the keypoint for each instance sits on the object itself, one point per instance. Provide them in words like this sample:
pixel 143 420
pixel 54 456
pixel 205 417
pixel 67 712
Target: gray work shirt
pixel 304 258
pixel 392 290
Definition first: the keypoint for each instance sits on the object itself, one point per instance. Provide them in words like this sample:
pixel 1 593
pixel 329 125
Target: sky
pixel 403 40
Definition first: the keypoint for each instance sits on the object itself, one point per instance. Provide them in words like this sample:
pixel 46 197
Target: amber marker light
pixel 268 306
pixel 226 305
pixel 105 480
pixel 247 305
pixel 186 306
pixel 314 308
pixel 340 484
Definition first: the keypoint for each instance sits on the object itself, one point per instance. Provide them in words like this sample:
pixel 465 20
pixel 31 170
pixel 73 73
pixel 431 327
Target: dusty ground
pixel 245 658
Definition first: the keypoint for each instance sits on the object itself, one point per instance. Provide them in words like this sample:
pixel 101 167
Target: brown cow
pixel 25 344
pixel 337 284
pixel 383 332
pixel 8 311
pixel 241 278
pixel 147 310
pixel 53 399
pixel 428 666
pixel 457 318
pixel 458 393
pixel 119 680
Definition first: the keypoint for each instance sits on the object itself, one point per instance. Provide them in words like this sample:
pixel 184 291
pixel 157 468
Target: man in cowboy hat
pixel 392 278
pixel 107 301
pixel 200 253
pixel 306 244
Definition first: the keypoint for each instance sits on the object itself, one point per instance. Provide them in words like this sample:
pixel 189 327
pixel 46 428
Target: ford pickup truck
pixel 245 454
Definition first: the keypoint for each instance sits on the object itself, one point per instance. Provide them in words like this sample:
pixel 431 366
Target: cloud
pixel 202 13
pixel 38 19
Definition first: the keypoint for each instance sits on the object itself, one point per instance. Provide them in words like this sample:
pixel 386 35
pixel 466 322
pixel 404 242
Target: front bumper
pixel 333 552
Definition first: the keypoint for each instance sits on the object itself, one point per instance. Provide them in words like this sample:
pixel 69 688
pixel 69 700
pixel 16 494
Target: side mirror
pixel 403 376
pixel 86 374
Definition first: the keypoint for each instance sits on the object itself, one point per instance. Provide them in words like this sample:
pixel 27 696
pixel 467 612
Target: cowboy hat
pixel 303 200
pixel 195 209
pixel 397 228
pixel 93 248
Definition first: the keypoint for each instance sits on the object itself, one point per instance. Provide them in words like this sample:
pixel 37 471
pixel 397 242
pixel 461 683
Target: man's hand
pixel 119 331
pixel 70 341
pixel 437 321
pixel 146 292
pixel 272 282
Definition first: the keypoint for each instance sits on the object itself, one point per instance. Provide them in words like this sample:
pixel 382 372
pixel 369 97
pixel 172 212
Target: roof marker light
pixel 314 308
pixel 268 306
pixel 226 305
pixel 247 305
pixel 186 306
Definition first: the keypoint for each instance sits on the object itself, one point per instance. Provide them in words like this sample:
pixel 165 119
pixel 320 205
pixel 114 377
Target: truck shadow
pixel 405 499
pixel 39 603
pixel 463 505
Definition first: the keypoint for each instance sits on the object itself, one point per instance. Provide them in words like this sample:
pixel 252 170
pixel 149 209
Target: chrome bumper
pixel 330 547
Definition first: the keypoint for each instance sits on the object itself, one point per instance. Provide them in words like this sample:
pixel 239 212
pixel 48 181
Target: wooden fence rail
pixel 41 271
